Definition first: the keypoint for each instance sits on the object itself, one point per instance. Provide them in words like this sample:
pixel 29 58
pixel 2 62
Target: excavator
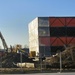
pixel 4 42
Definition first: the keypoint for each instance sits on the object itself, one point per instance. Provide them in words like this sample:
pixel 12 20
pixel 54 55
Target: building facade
pixel 47 35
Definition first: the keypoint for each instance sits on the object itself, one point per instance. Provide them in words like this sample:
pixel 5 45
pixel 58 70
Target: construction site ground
pixel 32 70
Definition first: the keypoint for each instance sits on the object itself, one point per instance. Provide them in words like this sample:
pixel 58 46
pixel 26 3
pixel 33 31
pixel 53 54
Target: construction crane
pixel 3 42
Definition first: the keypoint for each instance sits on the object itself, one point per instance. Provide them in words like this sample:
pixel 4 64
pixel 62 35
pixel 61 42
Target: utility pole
pixel 0 62
pixel 40 61
pixel 60 63
pixel 41 64
pixel 44 57
pixel 21 60
pixel 60 60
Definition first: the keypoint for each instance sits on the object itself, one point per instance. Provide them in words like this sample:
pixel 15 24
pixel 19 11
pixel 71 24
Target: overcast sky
pixel 16 14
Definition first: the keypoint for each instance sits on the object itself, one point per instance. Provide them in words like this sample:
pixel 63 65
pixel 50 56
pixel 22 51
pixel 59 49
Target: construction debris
pixel 67 58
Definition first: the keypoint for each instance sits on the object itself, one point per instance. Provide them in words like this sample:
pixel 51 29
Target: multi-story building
pixel 47 35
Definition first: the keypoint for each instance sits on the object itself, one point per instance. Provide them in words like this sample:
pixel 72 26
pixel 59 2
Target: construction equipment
pixel 3 42
pixel 32 54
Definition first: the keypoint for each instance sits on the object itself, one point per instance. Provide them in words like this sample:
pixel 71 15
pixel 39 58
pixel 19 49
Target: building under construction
pixel 47 35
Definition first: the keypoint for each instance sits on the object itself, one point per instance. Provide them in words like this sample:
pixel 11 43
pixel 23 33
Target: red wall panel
pixel 52 40
pixel 73 41
pixel 44 41
pixel 51 20
pixel 70 22
pixel 70 40
pixel 56 41
pixel 56 22
pixel 61 21
pixel 61 41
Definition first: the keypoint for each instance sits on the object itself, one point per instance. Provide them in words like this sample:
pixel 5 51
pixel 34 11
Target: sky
pixel 15 16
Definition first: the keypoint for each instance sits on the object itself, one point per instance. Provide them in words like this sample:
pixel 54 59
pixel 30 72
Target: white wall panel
pixel 33 35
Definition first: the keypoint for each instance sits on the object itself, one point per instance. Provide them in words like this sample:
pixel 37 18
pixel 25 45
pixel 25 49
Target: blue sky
pixel 16 14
